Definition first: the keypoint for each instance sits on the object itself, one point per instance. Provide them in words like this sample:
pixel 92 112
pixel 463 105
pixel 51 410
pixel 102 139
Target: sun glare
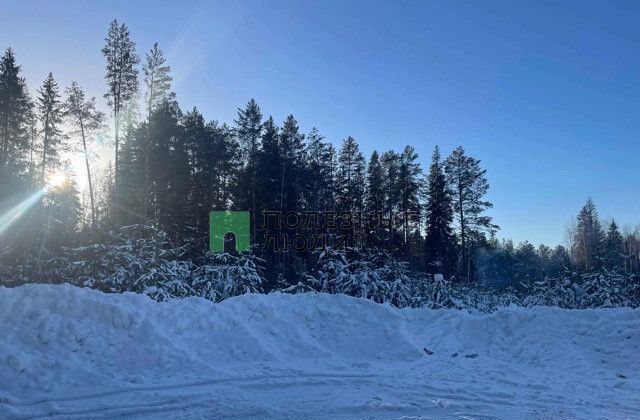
pixel 56 180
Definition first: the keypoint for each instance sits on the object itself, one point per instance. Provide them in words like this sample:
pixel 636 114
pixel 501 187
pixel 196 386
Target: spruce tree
pixel 320 156
pixel 614 248
pixel 390 162
pixel 269 167
pixel 50 111
pixel 351 177
pixel 203 159
pixel 439 239
pixel 408 188
pixel 248 130
pixel 374 198
pixel 157 81
pixel 292 151
pixel 15 120
pixel 588 238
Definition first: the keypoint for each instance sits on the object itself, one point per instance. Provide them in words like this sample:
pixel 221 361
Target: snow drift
pixel 60 342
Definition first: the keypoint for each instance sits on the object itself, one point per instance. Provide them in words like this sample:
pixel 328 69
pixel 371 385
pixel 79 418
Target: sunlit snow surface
pixel 67 352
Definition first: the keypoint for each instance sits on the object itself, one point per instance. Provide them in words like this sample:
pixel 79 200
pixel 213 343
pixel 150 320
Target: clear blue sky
pixel 546 93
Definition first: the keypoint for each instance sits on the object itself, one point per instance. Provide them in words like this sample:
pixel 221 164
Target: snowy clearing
pixel 67 352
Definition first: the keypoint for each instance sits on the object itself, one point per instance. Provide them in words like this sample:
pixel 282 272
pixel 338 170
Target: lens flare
pixel 56 180
pixel 8 218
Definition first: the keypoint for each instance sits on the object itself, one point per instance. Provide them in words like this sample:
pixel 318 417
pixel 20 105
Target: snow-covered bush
pixel 142 259
pixel 133 258
pixel 40 265
pixel 220 276
pixel 374 275
pixel 589 290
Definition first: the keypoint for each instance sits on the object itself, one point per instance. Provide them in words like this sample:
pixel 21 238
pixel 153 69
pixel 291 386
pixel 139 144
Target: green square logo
pixel 223 223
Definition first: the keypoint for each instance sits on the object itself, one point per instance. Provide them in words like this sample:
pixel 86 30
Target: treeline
pixel 170 168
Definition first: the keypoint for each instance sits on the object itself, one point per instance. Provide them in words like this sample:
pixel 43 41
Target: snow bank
pixel 60 337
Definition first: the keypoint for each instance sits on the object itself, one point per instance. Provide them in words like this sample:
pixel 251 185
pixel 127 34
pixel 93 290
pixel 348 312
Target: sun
pixel 56 180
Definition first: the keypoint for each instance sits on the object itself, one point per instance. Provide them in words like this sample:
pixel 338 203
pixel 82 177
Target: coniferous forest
pixel 141 221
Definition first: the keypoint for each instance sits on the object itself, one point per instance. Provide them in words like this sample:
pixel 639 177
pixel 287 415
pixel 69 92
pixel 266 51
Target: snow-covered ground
pixel 67 352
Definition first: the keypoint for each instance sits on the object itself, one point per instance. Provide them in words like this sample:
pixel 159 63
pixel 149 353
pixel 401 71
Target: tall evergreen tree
pixel 248 130
pixel 374 199
pixel 203 159
pixel 320 166
pixel 157 81
pixel 614 248
pixel 121 76
pixel 351 177
pixel 269 167
pixel 588 238
pixel 50 112
pixel 468 184
pixel 390 162
pixel 292 165
pixel 167 161
pixel 439 239
pixel 408 188
pixel 86 120
pixel 15 112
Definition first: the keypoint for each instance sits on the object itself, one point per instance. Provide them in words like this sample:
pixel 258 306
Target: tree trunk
pixel 86 161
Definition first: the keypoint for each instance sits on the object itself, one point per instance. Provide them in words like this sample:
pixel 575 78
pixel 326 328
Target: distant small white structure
pixel 438 277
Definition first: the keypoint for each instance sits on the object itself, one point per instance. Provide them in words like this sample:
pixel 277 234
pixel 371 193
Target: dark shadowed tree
pixel 50 113
pixel 248 130
pixel 157 81
pixel 16 118
pixel 408 189
pixel 439 238
pixel 614 248
pixel 468 185
pixel 351 177
pixel 588 239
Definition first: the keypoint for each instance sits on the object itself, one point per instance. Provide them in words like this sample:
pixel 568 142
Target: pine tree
pixel 587 242
pixel 86 120
pixel 157 79
pixel 614 248
pixel 15 112
pixel 439 239
pixel 50 112
pixel 468 184
pixel 122 78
